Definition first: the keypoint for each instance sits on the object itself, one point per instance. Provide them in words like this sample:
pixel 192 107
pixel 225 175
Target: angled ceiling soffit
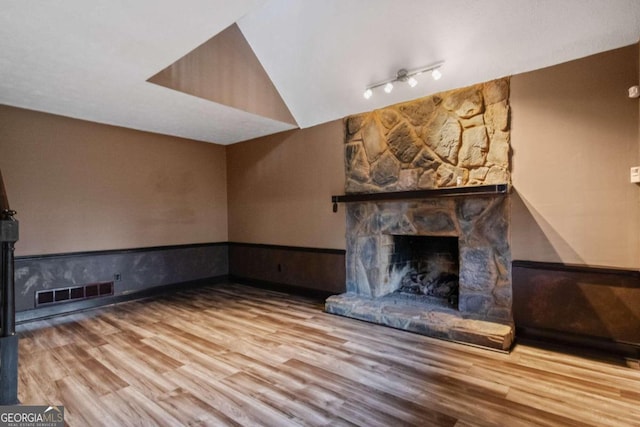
pixel 225 70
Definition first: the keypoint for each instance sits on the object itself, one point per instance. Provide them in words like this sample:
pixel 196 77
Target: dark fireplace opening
pixel 429 267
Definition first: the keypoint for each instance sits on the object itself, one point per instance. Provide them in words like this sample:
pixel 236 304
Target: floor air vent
pixel 75 293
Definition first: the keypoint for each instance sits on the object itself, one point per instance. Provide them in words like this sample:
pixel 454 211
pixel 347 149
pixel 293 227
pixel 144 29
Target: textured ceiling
pixel 91 60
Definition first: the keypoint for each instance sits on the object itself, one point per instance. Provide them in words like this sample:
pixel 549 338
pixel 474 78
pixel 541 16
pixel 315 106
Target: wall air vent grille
pixel 73 293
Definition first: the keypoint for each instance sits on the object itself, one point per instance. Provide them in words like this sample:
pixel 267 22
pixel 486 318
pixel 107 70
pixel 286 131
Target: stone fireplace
pixel 438 264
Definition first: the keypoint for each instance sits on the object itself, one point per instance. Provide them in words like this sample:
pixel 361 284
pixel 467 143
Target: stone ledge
pixel 422 318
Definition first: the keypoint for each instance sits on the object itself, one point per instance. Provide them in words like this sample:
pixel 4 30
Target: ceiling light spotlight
pixel 405 76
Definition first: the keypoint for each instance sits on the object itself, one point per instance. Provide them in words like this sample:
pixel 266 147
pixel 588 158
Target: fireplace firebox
pixel 430 265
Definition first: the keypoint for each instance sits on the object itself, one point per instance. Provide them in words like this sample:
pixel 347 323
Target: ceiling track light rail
pixel 404 75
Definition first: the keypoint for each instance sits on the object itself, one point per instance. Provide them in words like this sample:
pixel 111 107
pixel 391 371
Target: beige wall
pixel 574 138
pixel 280 188
pixel 80 186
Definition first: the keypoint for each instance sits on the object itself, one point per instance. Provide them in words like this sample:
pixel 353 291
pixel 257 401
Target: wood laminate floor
pixel 236 355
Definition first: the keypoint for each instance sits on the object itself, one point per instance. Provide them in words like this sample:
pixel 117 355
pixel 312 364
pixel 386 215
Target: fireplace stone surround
pixel 483 316
pixel 449 141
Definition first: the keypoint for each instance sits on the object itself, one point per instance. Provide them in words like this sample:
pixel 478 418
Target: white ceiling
pixel 91 59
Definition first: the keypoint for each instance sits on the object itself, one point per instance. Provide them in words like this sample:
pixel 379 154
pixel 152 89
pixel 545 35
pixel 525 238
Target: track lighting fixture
pixel 405 76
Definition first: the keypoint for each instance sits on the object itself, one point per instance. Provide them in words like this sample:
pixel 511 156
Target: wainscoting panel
pixel 579 305
pixel 130 270
pixel 304 268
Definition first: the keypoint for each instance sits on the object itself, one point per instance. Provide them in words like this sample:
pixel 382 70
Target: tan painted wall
pixel 574 138
pixel 80 186
pixel 575 134
pixel 280 188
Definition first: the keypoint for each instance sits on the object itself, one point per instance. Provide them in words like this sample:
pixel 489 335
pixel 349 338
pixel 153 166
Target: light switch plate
pixel 635 174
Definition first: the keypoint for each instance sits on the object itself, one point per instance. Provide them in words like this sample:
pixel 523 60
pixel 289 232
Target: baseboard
pixel 578 344
pixel 320 295
pixel 73 307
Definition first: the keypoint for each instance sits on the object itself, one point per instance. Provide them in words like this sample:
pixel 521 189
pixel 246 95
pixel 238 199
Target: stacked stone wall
pixel 454 138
